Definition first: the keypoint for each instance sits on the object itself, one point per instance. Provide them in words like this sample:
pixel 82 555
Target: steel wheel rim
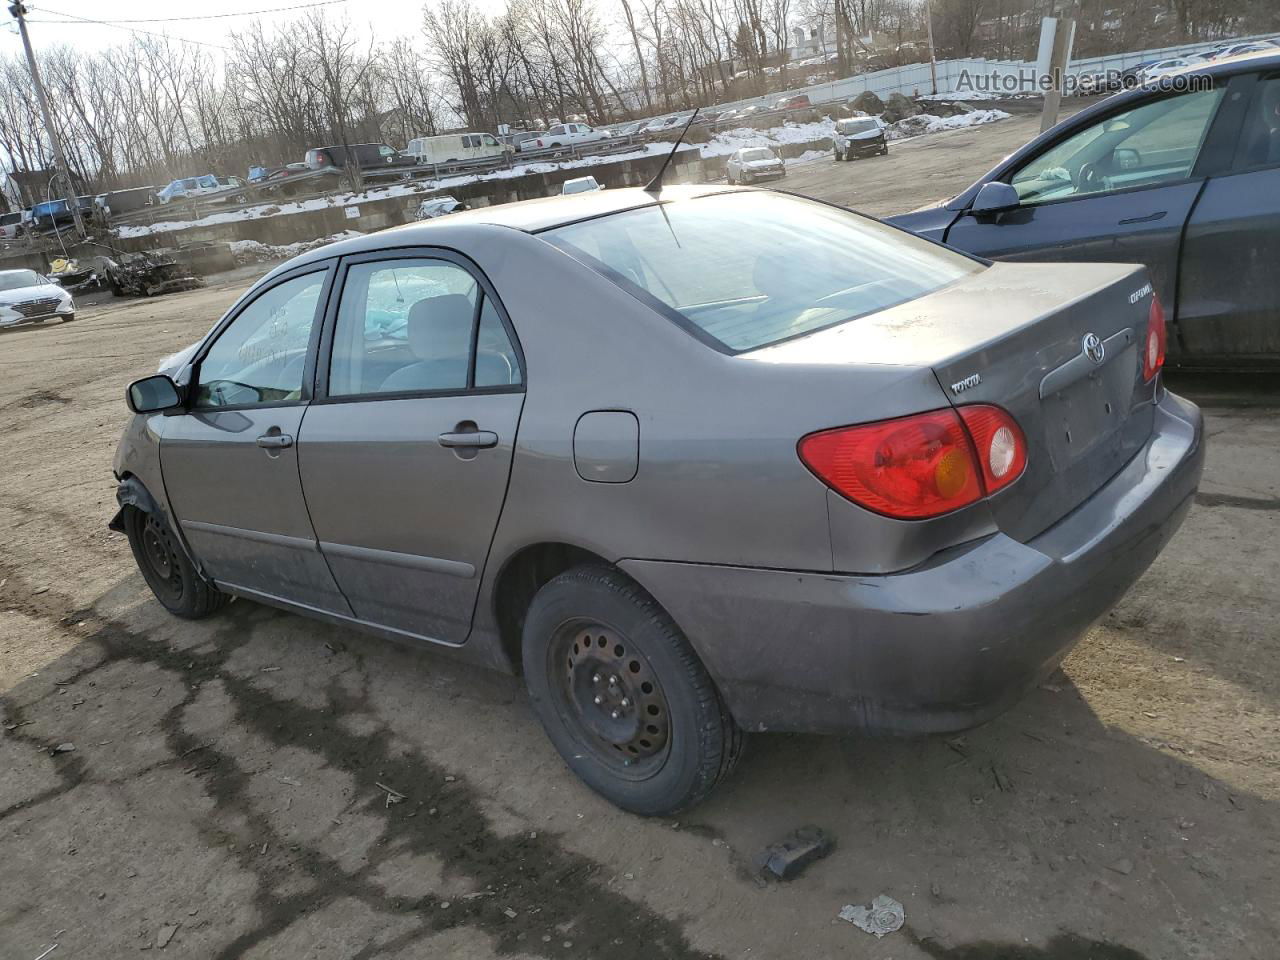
pixel 610 697
pixel 161 558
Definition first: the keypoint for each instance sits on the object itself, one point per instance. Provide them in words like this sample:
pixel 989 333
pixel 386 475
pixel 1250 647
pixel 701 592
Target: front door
pixel 1229 294
pixel 405 454
pixel 231 462
pixel 1119 190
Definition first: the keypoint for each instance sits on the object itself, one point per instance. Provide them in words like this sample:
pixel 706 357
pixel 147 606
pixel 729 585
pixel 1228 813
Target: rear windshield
pixel 856 126
pixel 750 269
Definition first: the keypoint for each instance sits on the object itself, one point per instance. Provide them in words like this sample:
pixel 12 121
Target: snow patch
pixel 251 251
pixel 928 123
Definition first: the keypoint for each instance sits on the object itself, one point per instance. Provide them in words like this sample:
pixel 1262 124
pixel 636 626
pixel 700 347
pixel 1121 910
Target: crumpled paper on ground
pixel 884 916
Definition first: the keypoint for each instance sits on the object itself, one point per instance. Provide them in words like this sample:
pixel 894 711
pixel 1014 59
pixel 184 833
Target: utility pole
pixel 19 12
pixel 933 58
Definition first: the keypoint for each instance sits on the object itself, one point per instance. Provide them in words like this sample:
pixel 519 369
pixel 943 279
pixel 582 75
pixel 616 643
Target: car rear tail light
pixel 920 466
pixel 1153 346
pixel 999 443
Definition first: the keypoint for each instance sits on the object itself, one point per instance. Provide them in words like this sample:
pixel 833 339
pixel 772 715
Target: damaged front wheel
pixel 174 580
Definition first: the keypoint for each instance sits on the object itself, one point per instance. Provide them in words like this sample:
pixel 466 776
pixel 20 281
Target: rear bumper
pixel 946 645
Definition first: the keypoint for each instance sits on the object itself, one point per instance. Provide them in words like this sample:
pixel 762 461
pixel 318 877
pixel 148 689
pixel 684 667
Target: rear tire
pixel 622 695
pixel 164 565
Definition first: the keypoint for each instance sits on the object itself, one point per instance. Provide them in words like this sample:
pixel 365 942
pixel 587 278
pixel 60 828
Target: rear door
pixel 1229 287
pixel 406 455
pixel 231 462
pixel 1119 190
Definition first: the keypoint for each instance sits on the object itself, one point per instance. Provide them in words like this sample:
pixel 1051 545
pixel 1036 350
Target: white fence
pixel 954 76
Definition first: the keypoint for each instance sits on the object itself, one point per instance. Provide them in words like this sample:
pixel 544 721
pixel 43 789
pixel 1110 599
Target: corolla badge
pixel 1094 348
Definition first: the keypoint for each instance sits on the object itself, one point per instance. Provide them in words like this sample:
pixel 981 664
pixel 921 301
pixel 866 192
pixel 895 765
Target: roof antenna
pixel 655 185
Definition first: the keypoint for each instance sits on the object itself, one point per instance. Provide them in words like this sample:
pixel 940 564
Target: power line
pixel 207 16
pixel 108 23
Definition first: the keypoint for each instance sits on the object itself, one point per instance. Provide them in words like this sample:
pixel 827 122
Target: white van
pixel 453 147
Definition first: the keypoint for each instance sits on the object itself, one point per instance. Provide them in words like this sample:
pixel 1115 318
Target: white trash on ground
pixel 882 917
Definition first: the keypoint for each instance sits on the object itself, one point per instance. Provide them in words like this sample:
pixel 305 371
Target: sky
pixel 53 23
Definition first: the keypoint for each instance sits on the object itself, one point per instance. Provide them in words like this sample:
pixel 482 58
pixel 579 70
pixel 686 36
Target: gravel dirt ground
pixel 227 796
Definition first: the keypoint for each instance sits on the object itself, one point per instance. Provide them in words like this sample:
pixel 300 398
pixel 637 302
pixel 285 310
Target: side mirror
pixel 153 394
pixel 994 197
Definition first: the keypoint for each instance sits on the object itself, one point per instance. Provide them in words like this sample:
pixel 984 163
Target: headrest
pixel 440 327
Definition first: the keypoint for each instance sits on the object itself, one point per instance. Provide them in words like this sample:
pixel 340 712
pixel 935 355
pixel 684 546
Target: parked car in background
pixel 753 164
pixel 456 147
pixel 53 214
pixel 126 201
pixel 580 185
pixel 188 188
pixel 662 124
pixel 1162 67
pixel 1131 76
pixel 1186 181
pixel 14 225
pixel 630 129
pixel 363 155
pixel 30 297
pixel 1251 46
pixel 439 206
pixel 890 452
pixel 517 137
pixel 859 137
pixel 1090 84
pixel 799 102
pixel 566 135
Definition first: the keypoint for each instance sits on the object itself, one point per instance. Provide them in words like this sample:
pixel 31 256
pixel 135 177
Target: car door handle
pixel 1149 218
pixel 275 441
pixel 479 439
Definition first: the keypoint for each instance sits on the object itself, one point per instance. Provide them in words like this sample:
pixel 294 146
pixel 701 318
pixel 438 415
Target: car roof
pixel 526 216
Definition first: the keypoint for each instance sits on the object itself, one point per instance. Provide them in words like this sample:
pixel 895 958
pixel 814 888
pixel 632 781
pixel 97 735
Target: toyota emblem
pixel 1094 348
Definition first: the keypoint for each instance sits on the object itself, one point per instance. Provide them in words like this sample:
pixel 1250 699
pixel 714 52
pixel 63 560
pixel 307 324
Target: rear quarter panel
pixel 719 479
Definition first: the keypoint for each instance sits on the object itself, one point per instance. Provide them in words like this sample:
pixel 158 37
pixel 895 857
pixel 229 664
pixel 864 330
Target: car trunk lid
pixel 1014 335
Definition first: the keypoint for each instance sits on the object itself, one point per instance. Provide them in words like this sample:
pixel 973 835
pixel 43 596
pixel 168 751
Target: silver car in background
pixel 30 297
pixel 829 476
pixel 754 164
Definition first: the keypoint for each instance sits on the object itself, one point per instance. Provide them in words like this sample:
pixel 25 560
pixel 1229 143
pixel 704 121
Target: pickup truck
pixel 565 135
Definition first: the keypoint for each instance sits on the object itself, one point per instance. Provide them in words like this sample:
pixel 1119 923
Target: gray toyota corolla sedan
pixel 695 463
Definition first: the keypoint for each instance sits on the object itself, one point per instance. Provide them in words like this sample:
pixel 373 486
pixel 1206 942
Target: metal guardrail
pixel 286 189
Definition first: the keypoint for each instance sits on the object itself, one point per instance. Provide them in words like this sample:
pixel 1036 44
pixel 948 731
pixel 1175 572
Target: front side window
pixel 490 141
pixel 752 269
pixel 261 356
pixel 1153 144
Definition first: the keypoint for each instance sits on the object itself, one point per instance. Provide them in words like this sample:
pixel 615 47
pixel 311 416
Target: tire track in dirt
pixel 531 875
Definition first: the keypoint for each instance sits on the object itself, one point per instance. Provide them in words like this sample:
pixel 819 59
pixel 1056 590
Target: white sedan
pixel 752 164
pixel 30 297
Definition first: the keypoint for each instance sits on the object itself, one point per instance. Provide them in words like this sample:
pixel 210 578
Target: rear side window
pixel 746 270
pixel 407 326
